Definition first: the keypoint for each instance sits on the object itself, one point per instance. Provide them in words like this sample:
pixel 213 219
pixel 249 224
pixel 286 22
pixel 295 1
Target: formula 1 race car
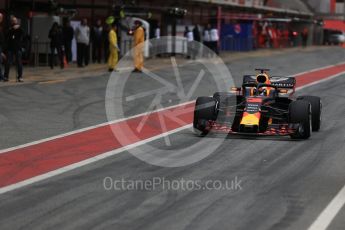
pixel 263 106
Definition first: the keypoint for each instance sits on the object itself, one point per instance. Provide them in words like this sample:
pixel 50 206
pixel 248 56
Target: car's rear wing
pixel 280 82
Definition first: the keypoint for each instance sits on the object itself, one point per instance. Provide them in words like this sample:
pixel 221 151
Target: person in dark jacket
pixel 206 40
pixel 196 33
pixel 197 39
pixel 96 39
pixel 56 43
pixel 106 52
pixel 304 35
pixel 2 44
pixel 68 35
pixel 14 39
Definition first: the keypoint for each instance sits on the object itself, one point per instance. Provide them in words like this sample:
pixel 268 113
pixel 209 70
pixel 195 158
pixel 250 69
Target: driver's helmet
pixel 263 78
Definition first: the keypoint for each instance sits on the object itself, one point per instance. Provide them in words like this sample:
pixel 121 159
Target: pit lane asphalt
pixel 285 184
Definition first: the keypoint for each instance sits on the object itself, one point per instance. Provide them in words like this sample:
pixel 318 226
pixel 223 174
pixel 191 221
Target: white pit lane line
pixel 326 217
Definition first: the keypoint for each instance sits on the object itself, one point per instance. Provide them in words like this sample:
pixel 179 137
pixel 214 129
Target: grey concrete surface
pixel 285 184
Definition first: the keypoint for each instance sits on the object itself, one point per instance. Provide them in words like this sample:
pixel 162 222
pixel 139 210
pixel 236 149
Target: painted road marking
pixel 314 76
pixel 88 161
pixel 321 81
pixel 90 128
pixel 317 69
pixel 27 162
pixel 52 156
pixel 51 82
pixel 329 213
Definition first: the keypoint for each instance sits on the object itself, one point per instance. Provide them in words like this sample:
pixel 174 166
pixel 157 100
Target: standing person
pixel 56 43
pixel 2 44
pixel 96 38
pixel 214 39
pixel 304 35
pixel 158 31
pixel 105 35
pixel 262 36
pixel 291 37
pixel 196 34
pixel 286 37
pixel 275 42
pixel 82 35
pixel 139 38
pixel 68 35
pixel 157 46
pixel 190 39
pixel 15 39
pixel 197 38
pixel 113 48
pixel 206 40
pixel 270 36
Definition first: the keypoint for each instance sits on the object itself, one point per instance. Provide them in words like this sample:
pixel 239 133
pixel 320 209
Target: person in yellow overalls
pixel 139 38
pixel 113 48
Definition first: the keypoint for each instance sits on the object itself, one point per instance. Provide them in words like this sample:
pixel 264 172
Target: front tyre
pixel 300 112
pixel 316 108
pixel 205 111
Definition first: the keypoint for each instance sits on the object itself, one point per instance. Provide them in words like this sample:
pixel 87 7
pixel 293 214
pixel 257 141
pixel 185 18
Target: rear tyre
pixel 205 111
pixel 300 113
pixel 316 108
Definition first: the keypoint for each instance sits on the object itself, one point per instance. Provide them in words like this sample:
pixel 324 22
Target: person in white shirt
pixel 190 39
pixel 157 46
pixel 214 36
pixel 158 32
pixel 82 35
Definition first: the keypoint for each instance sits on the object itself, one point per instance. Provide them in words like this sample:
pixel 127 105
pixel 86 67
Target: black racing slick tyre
pixel 300 113
pixel 227 109
pixel 205 110
pixel 316 108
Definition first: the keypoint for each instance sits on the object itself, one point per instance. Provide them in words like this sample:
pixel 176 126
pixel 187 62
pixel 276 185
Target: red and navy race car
pixel 263 106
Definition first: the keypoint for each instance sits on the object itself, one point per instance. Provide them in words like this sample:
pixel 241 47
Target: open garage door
pixel 334 25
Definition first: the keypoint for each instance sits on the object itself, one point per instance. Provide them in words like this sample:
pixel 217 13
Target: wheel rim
pixel 302 128
pixel 320 115
pixel 310 121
